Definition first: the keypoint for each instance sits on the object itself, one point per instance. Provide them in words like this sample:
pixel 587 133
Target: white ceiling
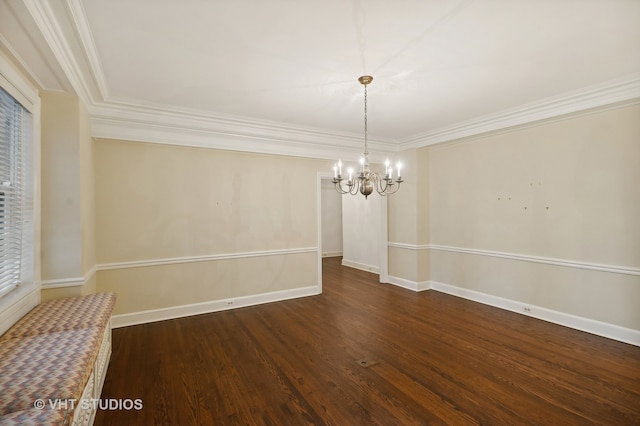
pixel 288 69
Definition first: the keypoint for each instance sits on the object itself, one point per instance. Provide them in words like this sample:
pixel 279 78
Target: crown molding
pixel 158 124
pixel 76 9
pixel 128 121
pixel 50 24
pixel 612 93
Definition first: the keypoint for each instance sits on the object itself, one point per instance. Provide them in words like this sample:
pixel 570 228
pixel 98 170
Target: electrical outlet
pixel 527 309
pixel 229 302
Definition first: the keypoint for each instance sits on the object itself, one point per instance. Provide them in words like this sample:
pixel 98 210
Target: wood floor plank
pixel 428 358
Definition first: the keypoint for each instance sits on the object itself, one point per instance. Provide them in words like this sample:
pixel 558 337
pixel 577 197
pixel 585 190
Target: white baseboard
pixel 361 266
pixel 331 254
pixel 411 285
pixel 142 317
pixel 599 328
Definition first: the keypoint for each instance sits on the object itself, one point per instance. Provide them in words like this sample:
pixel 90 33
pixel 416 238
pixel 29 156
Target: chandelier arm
pixel 355 187
pixel 394 189
pixel 382 190
pixel 385 186
pixel 351 189
pixel 339 188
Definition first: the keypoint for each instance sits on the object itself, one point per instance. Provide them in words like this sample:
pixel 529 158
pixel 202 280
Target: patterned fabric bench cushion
pixel 48 366
pixel 34 416
pixel 72 313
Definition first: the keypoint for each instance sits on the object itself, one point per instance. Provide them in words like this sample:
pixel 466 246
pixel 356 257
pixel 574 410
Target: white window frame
pixel 17 302
pixel 16 195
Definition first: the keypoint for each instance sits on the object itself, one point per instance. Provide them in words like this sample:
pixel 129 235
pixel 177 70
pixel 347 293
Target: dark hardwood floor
pixel 367 353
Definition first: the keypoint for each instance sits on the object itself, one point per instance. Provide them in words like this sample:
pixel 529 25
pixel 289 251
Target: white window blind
pixel 16 194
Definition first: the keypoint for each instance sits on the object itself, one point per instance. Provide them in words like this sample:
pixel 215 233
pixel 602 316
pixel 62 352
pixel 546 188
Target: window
pixel 16 194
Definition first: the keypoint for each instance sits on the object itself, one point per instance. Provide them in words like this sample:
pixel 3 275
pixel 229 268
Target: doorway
pixel 354 226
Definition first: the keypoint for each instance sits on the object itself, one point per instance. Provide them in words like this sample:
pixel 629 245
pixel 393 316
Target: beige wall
pixel 409 219
pixel 117 204
pixel 61 233
pixel 178 284
pixel 171 204
pixel 331 219
pixel 68 228
pixel 87 198
pixel 362 220
pixel 147 214
pixel 561 190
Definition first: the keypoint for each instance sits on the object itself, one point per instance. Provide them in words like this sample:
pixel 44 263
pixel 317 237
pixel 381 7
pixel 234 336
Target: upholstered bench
pixel 57 355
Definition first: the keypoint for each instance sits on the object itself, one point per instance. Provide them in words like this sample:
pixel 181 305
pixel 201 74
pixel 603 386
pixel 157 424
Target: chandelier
pixel 366 180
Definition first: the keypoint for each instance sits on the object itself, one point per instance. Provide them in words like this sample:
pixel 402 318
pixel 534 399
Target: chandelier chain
pixel 366 136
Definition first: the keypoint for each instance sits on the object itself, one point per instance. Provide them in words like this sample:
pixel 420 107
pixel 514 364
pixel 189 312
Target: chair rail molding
pixel 616 269
pixel 203 258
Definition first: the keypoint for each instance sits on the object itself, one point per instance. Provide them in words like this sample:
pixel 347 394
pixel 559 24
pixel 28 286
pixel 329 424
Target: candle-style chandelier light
pixel 366 181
